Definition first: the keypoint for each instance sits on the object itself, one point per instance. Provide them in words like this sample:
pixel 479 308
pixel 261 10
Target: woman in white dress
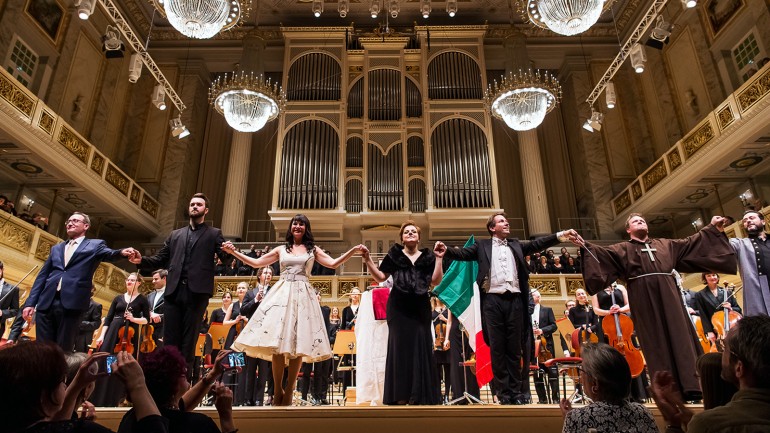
pixel 288 327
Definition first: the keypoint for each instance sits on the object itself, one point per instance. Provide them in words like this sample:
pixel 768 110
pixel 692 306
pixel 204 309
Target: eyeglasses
pixel 74 221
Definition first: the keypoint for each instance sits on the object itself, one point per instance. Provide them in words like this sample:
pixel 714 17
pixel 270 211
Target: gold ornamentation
pixel 75 145
pixel 150 206
pixel 674 159
pixel 344 287
pixel 221 286
pixel 117 281
pixel 43 248
pixel 12 93
pixel 322 286
pixel 621 202
pixel 756 91
pixel 655 175
pixel 636 190
pixel 100 276
pixel 573 284
pixel 725 117
pixel 135 193
pixel 117 179
pixel 97 163
pixel 697 139
pixel 16 236
pixel 546 286
pixel 46 122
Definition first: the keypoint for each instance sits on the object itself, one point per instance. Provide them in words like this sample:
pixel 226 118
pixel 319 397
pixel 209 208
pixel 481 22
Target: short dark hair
pixel 405 225
pixel 162 369
pixel 716 391
pixel 1 265
pixel 609 369
pixel 203 196
pixel 703 276
pixel 749 341
pixel 491 220
pixel 161 273
pixel 759 214
pixel 631 215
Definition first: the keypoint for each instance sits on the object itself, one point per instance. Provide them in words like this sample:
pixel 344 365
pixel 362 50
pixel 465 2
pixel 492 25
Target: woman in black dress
pixel 133 308
pixel 410 369
pixel 582 315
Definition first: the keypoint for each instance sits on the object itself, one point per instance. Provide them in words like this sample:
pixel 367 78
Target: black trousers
pixel 183 314
pixel 553 383
pixel 320 379
pixel 58 324
pixel 258 372
pixel 504 326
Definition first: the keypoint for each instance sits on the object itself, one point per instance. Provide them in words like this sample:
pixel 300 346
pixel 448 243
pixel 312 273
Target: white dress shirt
pixel 503 276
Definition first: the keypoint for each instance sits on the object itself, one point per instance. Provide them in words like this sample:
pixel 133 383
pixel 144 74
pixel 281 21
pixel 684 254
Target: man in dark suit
pixel 544 324
pixel 504 282
pixel 9 300
pixel 257 370
pixel 156 305
pixel 188 254
pixel 62 289
pixel 89 322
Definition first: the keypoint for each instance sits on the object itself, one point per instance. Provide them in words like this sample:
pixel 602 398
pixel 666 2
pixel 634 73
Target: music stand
pixel 218 332
pixel 345 344
pixel 566 329
pixel 471 399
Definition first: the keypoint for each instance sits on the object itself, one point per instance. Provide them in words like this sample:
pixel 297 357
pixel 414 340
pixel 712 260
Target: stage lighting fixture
pixel 451 8
pixel 609 95
pixel 425 8
pixel 177 128
pixel 659 36
pixel 86 8
pixel 134 68
pixel 595 122
pixel 159 97
pixel 111 44
pixel 318 7
pixel 638 58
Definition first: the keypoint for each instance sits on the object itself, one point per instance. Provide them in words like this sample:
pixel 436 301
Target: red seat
pixel 566 360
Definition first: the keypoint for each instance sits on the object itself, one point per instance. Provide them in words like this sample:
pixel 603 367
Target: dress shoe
pixel 325 402
pixel 257 403
pixel 518 402
pixel 504 402
pixel 249 403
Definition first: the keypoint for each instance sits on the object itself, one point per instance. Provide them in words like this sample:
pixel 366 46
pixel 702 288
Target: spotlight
pixel 638 57
pixel 595 122
pixel 111 44
pixel 689 4
pixel 159 97
pixel 374 9
pixel 659 36
pixel 178 129
pixel 342 8
pixel 394 8
pixel 451 7
pixel 318 7
pixel 134 68
pixel 425 8
pixel 609 94
pixel 86 8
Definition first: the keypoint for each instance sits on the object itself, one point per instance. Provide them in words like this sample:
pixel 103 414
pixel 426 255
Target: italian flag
pixel 459 291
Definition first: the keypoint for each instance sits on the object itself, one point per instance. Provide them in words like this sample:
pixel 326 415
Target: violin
pixel 125 337
pixel 440 328
pixel 618 333
pixel 722 322
pixel 542 353
pixel 148 343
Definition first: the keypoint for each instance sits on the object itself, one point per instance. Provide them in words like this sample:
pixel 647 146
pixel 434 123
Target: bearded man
pixel 753 260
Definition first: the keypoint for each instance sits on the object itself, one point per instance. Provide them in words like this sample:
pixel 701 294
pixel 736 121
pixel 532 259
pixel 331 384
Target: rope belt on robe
pixel 671 274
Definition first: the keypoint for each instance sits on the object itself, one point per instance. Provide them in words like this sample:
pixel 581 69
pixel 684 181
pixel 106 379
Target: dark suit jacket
pixel 76 278
pixel 89 322
pixel 250 303
pixel 481 252
pixel 200 275
pixel 547 323
pixel 707 306
pixel 9 304
pixel 158 333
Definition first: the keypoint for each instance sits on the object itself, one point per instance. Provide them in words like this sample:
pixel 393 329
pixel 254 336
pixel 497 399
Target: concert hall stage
pixel 388 419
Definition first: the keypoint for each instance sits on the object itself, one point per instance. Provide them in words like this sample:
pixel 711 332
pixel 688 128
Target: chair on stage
pixel 570 366
pixel 203 362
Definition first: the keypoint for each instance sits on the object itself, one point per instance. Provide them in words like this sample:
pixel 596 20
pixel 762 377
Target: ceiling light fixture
pixel 451 8
pixel 247 101
pixel 565 17
pixel 522 100
pixel 425 8
pixel 394 8
pixel 318 7
pixel 86 8
pixel 609 95
pixel 374 9
pixel 342 7
pixel 689 4
pixel 638 58
pixel 159 97
pixel 203 19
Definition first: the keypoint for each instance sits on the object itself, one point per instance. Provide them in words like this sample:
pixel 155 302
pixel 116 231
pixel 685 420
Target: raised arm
pixel 323 259
pixel 377 274
pixel 438 271
pixel 265 260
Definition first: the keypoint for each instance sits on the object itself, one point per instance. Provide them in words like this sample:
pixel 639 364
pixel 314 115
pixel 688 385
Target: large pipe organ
pixel 383 128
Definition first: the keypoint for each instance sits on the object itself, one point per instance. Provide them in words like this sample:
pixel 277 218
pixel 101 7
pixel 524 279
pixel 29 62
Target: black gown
pixel 410 367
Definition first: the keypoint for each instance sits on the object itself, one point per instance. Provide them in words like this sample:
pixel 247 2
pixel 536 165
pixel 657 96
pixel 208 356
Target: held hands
pixel 573 236
pixel 726 305
pixel 439 249
pixel 718 222
pixel 228 247
pixel 134 256
pixel 364 252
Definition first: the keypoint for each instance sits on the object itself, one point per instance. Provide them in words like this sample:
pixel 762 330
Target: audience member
pixel 716 390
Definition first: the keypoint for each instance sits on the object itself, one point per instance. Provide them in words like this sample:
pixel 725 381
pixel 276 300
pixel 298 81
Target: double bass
pixel 618 333
pixel 722 321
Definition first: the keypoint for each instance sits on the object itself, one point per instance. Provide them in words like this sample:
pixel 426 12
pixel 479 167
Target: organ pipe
pixel 460 166
pixel 309 167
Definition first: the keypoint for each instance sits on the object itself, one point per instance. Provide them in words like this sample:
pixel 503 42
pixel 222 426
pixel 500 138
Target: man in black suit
pixel 62 290
pixel 544 324
pixel 156 305
pixel 89 322
pixel 257 370
pixel 9 300
pixel 504 282
pixel 188 254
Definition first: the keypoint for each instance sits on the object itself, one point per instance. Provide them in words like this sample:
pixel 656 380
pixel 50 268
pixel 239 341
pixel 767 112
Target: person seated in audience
pixel 716 390
pixel 606 378
pixel 232 269
pixel 74 361
pixel 543 267
pixel 557 267
pixel 570 267
pixel 220 269
pixel 38 400
pixel 745 363
pixel 165 372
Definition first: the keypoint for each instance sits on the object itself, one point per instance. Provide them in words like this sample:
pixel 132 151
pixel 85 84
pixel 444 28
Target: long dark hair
pixel 307 238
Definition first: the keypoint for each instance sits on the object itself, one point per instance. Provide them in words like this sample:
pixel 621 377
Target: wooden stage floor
pixel 387 419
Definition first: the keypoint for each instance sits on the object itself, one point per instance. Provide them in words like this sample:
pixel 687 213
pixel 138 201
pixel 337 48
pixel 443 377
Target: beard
pixel 755 230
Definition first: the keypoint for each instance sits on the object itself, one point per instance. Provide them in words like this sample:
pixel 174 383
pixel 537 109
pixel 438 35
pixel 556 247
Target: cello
pixel 723 321
pixel 618 333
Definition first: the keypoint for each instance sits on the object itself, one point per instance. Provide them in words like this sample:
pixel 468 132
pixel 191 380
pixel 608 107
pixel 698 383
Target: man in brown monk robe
pixel 666 335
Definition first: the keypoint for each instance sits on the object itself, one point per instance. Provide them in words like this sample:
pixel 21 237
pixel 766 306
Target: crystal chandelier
pixel 523 99
pixel 203 19
pixel 248 102
pixel 566 17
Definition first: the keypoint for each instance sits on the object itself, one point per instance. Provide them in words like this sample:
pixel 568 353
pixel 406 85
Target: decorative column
pixel 535 198
pixel 240 150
